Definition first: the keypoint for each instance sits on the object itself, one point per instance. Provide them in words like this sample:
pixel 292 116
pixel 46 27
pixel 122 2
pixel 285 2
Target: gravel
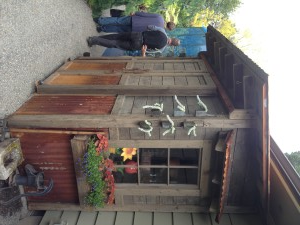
pixel 37 37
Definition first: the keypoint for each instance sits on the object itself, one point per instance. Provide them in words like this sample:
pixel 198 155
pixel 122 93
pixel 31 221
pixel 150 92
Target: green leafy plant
pixel 98 169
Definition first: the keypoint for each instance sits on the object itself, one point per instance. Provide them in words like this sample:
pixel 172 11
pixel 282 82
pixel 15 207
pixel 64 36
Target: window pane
pixel 189 157
pixel 183 176
pixel 154 175
pixel 126 175
pixel 156 156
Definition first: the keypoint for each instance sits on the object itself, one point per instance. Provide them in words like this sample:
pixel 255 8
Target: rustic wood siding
pixel 134 105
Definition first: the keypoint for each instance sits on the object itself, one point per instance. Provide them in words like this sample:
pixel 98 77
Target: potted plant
pixel 98 168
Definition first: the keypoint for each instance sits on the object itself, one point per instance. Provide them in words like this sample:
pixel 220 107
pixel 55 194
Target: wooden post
pixel 79 145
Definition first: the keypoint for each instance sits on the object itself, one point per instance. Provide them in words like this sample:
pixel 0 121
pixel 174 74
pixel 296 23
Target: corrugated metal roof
pixel 75 79
pixel 94 65
pixel 67 104
pixel 52 154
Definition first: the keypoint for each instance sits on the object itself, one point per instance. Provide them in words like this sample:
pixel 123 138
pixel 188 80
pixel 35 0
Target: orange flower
pixel 128 153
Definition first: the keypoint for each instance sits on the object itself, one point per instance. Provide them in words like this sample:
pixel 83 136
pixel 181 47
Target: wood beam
pixel 110 121
pixel 205 90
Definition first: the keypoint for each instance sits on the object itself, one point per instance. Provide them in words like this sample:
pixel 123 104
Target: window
pixel 159 166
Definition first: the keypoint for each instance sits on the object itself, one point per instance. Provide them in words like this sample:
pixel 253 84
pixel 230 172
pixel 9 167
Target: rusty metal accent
pixel 51 153
pixel 67 104
pixel 92 65
pixel 84 79
pixel 225 180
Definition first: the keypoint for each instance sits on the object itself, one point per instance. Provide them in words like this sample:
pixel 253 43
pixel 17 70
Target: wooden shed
pixel 214 158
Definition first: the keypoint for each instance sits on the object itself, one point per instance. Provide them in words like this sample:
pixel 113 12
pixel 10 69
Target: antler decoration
pixel 180 106
pixel 172 129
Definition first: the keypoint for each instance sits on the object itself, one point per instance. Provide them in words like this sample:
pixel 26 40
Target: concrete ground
pixel 37 37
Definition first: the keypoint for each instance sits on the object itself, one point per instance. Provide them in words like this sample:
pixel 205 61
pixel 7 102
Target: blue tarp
pixel 192 42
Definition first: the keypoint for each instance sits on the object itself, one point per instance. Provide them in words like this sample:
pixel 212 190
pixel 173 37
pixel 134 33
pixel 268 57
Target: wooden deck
pixel 146 218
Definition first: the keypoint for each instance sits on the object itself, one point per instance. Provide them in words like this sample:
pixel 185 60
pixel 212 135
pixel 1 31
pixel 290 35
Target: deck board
pixel 201 219
pixel 87 218
pixel 162 219
pixel 124 218
pixel 50 216
pixel 143 218
pixel 182 219
pixel 106 218
pixel 71 217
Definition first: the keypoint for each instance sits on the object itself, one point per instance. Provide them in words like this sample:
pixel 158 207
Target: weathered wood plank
pixel 168 136
pixel 246 219
pixel 181 81
pixel 168 66
pixel 201 219
pixel 189 66
pixel 106 218
pixel 158 66
pixel 143 89
pixel 124 134
pixel 87 218
pixel 181 134
pixel 79 143
pixel 238 87
pixel 124 218
pixel 182 218
pixel 248 85
pixel 132 80
pixel 50 216
pixel 136 134
pixel 168 81
pixel 71 217
pixel 127 105
pixel 114 133
pixel 145 81
pixel 158 191
pixel 210 104
pixel 200 132
pixel 143 218
pixel 202 66
pixel 220 109
pixel 205 178
pixel 225 98
pixel 192 105
pixel 154 134
pixel 242 157
pixel 229 61
pixel 118 104
pixel 217 45
pixel 51 78
pixel 151 100
pixel 138 65
pixel 145 208
pixel 139 102
pixel 225 220
pixel 107 121
pixel 161 143
pixel 149 66
pixel 168 105
pixel 178 66
pixel 162 218
pixel 193 81
pixel 124 79
pixel 156 81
